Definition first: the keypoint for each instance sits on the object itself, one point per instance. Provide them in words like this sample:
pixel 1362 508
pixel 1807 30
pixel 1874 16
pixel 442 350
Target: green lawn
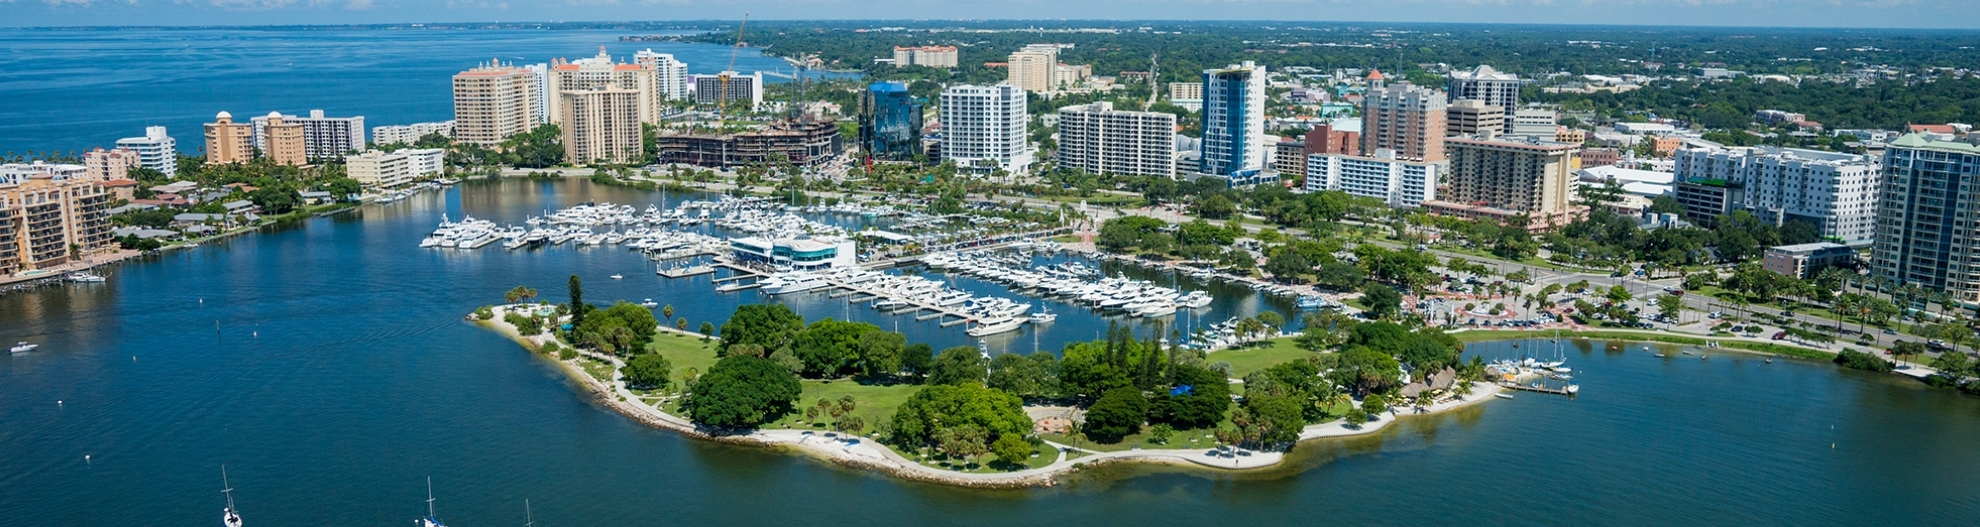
pixel 597 369
pixel 1258 356
pixel 871 402
pixel 985 464
pixel 1178 439
pixel 684 352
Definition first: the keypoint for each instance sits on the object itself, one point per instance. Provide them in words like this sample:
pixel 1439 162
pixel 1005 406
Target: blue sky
pixel 1830 13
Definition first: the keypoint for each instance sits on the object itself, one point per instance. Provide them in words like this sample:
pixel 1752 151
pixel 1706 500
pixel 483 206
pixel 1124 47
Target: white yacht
pixel 430 520
pixel 228 516
pixel 796 283
pixel 994 326
pixel 86 277
pixel 23 347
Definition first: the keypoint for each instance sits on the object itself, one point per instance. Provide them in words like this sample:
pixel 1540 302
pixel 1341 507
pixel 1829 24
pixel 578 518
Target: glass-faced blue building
pixel 890 122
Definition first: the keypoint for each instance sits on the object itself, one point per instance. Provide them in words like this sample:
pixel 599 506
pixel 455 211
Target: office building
pixel 495 101
pixel 1488 85
pixel 930 56
pixel 1534 121
pixel 602 125
pixel 410 133
pixel 1704 200
pixel 105 165
pixel 378 169
pixel 1522 175
pixel 1031 68
pixel 51 215
pixel 1289 159
pixel 227 141
pixel 1233 119
pixel 1325 139
pixel 1398 182
pixel 322 137
pixel 1564 134
pixel 1834 192
pixel 1805 260
pixel 1101 140
pixel 670 76
pixel 890 121
pixel 1473 116
pixel 1406 118
pixel 156 150
pixel 742 90
pixel 983 128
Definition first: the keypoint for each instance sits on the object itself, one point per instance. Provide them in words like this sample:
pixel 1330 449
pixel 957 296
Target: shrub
pixel 525 325
pixel 1863 361
pixel 484 313
pixel 548 348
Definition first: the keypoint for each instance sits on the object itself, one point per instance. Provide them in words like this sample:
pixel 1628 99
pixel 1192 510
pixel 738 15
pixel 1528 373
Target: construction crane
pixel 722 99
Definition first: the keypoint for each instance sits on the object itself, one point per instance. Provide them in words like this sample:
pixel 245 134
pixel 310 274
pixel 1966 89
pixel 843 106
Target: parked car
pixel 1778 335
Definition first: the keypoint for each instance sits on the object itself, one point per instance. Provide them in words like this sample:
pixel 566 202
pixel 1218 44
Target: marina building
pixel 1835 192
pixel 1491 87
pixel 890 121
pixel 670 76
pixel 1925 234
pixel 494 101
pixel 1405 118
pixel 983 128
pixel 155 150
pixel 322 137
pixel 602 125
pixel 1521 175
pixel 410 133
pixel 1101 140
pixel 741 88
pixel 1399 182
pixel 50 215
pixel 930 56
pixel 227 141
pixel 1233 119
pixel 803 253
pixel 378 169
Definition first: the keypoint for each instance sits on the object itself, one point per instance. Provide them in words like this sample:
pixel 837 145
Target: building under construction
pixel 804 142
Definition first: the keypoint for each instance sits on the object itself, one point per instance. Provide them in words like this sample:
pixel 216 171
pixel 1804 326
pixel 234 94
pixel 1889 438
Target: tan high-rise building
pixel 283 141
pixel 600 72
pixel 227 141
pixel 492 102
pixel 931 56
pixel 1472 116
pixel 52 218
pixel 1031 68
pixel 601 125
pixel 1526 175
pixel 1406 118
pixel 105 165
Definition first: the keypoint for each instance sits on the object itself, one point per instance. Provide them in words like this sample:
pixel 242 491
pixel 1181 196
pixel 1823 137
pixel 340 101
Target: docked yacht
pixel 86 277
pixel 793 283
pixel 994 326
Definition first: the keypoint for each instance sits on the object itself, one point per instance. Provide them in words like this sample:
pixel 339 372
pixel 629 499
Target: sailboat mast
pixel 429 496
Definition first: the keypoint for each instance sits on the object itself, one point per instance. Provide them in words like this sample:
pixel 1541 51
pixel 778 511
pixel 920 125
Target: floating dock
pixel 1526 388
pixel 686 271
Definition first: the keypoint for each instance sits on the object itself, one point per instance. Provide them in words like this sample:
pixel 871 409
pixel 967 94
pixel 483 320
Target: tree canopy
pixel 742 392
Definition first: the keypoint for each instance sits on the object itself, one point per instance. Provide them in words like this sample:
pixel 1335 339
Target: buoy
pixel 85 458
pixel 58 402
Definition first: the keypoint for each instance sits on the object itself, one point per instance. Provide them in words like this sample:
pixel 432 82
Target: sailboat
pixel 430 520
pixel 228 517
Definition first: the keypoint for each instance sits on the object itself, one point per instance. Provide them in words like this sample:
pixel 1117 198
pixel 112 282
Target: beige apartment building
pixel 601 125
pixel 227 141
pixel 1515 175
pixel 1472 116
pixel 52 218
pixel 931 56
pixel 600 72
pixel 284 142
pixel 1032 68
pixel 492 102
pixel 105 165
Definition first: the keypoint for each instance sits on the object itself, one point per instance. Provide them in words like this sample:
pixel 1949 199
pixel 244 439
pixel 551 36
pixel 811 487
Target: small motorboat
pixel 23 347
pixel 618 277
pixel 1503 395
pixel 648 303
pixel 1770 361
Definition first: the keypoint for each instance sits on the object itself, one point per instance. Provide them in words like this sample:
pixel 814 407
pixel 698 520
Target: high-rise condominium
pixel 1929 218
pixel 744 92
pixel 670 76
pixel 1488 85
pixel 602 124
pixel 227 141
pixel 1233 119
pixel 1472 117
pixel 600 72
pixel 1100 140
pixel 410 133
pixel 1031 69
pixel 983 128
pixel 1398 182
pixel 890 121
pixel 323 137
pixel 494 101
pixel 282 141
pixel 156 150
pixel 1525 175
pixel 51 214
pixel 1406 118
pixel 931 56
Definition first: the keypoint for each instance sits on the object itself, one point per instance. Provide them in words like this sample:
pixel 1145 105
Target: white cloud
pixel 356 5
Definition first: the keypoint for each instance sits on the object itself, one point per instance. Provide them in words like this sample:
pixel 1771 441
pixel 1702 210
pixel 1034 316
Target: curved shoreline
pixel 866 454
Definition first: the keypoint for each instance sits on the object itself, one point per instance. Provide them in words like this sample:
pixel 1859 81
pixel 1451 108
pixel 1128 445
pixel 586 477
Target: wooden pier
pixel 1527 388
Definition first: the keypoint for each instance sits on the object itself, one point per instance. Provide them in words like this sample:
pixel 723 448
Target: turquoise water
pixel 339 376
pixel 73 89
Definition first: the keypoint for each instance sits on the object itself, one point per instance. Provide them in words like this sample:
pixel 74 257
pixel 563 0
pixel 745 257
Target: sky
pixel 1957 14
